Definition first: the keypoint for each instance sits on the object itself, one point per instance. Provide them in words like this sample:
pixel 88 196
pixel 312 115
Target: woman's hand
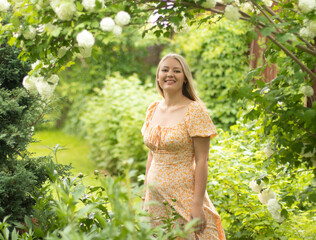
pixel 198 212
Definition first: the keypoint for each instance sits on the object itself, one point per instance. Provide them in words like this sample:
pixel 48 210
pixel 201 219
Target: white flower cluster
pixel 274 208
pixel 268 2
pixel 88 4
pixel 4 5
pixel 232 13
pixel 115 26
pixel 209 4
pixel 255 186
pixel 85 41
pixel 267 196
pixel 38 84
pixel 107 24
pixel 64 9
pixel 122 18
pixel 308 91
pixel 307 6
pixel 29 33
pixel 310 30
pixel 268 151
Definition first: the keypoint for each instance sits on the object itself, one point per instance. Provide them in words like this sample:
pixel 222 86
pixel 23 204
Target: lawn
pixel 75 152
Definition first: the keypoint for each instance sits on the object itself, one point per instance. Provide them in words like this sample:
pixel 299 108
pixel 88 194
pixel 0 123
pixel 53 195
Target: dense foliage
pixel 67 209
pixel 236 159
pixel 112 121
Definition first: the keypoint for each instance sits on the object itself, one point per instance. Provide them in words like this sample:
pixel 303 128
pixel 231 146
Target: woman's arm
pixel 201 155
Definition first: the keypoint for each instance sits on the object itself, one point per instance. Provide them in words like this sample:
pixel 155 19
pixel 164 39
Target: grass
pixel 75 152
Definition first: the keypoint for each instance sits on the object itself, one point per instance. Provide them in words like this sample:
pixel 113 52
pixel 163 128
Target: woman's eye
pixel 164 70
pixel 177 71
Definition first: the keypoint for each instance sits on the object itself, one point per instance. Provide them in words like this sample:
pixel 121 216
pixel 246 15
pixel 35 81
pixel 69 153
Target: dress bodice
pixel 171 145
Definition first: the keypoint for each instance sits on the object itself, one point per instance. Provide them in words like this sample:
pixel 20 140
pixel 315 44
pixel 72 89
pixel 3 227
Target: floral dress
pixel 170 179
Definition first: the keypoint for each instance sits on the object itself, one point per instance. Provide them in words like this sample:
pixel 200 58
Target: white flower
pixel 227 1
pixel 29 33
pixel 266 195
pixel 312 27
pixel 4 5
pixel 85 39
pixel 65 10
pixel 306 5
pixel 209 4
pixel 88 4
pixel 255 187
pixel 107 24
pixel 246 7
pixel 85 52
pixel 29 84
pixel 308 91
pixel 273 205
pixel 44 88
pixel 54 4
pixel 117 30
pixel 62 51
pixel 232 13
pixel 268 151
pixel 122 18
pixel 274 208
pixel 53 79
pixel 267 2
pixel 50 27
pixel 306 33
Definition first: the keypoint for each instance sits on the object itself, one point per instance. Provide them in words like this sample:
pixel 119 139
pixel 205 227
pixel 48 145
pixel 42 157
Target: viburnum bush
pixel 52 33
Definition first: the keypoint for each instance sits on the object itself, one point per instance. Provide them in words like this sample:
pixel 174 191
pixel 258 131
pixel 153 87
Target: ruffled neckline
pixel 169 127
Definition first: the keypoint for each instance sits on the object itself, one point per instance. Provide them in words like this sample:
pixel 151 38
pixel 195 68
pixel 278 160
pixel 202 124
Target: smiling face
pixel 170 75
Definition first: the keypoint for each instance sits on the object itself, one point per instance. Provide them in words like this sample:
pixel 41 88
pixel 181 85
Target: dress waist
pixel 178 158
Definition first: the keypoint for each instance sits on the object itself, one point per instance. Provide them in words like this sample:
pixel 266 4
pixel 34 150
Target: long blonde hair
pixel 188 88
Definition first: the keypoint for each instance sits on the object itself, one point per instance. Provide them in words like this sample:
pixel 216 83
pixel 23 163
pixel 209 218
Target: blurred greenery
pixel 72 150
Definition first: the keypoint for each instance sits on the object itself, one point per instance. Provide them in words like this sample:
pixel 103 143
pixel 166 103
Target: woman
pixel 177 131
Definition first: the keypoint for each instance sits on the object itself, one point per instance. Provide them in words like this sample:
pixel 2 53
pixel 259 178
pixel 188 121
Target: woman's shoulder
pixel 197 106
pixel 153 105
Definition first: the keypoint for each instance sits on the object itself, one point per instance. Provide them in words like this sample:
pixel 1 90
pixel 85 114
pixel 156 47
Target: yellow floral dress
pixel 170 179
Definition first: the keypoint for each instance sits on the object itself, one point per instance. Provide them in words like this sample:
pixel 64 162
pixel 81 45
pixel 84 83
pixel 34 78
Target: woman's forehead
pixel 171 62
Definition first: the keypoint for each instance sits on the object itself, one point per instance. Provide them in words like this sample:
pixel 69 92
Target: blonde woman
pixel 177 131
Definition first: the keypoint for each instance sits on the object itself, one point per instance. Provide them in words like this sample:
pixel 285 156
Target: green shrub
pixel 238 157
pixel 20 175
pixel 112 121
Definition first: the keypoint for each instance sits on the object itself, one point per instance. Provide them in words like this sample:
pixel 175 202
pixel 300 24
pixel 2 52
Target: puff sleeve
pixel 199 123
pixel 149 113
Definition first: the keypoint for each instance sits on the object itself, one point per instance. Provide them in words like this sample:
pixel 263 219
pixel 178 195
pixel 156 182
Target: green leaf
pixel 312 198
pixel 79 6
pixel 267 31
pixel 12 41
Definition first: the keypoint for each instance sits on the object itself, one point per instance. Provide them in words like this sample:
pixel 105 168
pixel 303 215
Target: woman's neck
pixel 174 99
